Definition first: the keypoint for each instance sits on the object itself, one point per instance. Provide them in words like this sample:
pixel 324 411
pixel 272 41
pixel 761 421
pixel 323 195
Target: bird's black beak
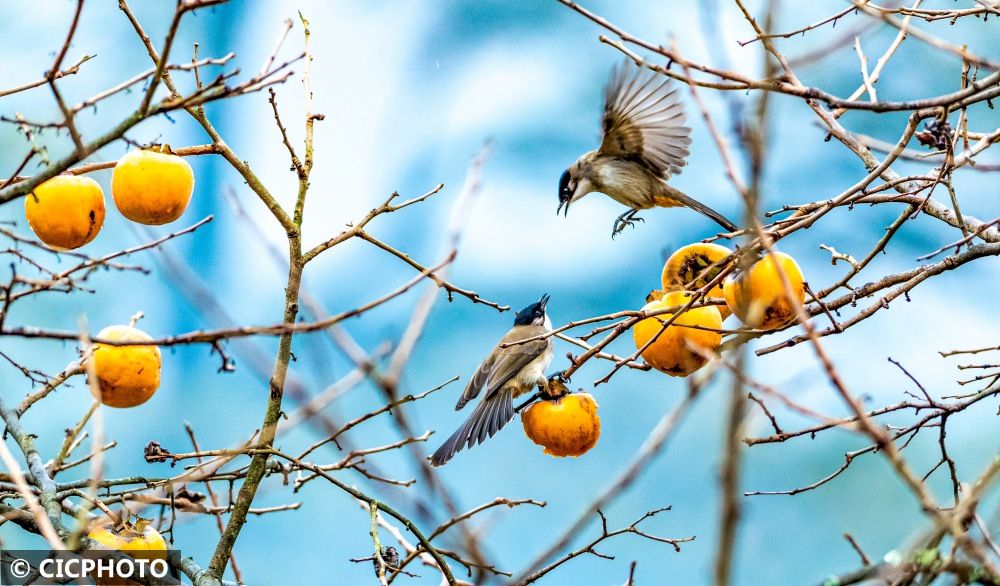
pixel 544 301
pixel 564 207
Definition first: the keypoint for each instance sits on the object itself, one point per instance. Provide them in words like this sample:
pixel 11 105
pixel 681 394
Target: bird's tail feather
pixel 489 417
pixel 676 198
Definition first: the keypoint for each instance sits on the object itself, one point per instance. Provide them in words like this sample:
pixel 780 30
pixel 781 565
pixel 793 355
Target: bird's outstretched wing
pixel 644 120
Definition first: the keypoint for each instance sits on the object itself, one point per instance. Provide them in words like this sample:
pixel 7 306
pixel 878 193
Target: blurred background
pixel 411 91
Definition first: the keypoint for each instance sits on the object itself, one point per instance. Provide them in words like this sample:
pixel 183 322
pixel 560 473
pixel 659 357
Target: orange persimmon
pixel 566 426
pixel 66 211
pixel 692 267
pixel 152 186
pixel 126 375
pixel 757 295
pixel 673 351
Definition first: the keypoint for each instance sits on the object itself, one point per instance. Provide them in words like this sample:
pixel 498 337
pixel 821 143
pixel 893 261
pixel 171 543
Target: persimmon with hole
pixel 757 295
pixel 152 186
pixel 136 539
pixel 678 350
pixel 127 376
pixel 66 211
pixel 692 267
pixel 565 426
pixel 130 537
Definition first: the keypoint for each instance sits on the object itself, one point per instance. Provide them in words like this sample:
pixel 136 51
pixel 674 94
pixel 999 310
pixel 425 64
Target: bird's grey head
pixel 575 183
pixel 534 314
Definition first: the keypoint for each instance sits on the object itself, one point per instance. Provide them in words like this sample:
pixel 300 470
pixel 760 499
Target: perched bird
pixel 644 142
pixel 506 373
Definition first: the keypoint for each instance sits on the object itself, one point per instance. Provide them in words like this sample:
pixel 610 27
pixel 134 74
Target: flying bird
pixel 506 373
pixel 644 142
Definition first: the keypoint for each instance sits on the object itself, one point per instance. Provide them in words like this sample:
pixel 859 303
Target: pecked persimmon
pixel 127 376
pixel 692 267
pixel 130 537
pixel 152 186
pixel 673 351
pixel 757 296
pixel 566 426
pixel 66 211
pixel 137 539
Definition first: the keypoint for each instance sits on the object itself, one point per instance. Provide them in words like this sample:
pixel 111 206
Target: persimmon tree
pixel 948 132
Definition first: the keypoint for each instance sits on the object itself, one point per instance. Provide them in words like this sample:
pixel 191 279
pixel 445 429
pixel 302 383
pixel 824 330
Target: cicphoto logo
pixel 107 567
pixel 125 567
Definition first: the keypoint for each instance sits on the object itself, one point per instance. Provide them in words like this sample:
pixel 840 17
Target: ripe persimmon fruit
pixel 673 351
pixel 566 426
pixel 126 375
pixel 692 267
pixel 66 211
pixel 136 539
pixel 152 186
pixel 757 296
pixel 130 537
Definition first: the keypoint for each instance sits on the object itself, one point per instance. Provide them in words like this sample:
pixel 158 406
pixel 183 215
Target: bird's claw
pixel 561 375
pixel 623 221
pixel 555 385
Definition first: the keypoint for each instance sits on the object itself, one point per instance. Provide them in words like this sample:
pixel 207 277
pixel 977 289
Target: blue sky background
pixel 411 90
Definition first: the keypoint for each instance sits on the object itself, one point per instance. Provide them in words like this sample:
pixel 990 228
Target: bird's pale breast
pixel 627 183
pixel 529 376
